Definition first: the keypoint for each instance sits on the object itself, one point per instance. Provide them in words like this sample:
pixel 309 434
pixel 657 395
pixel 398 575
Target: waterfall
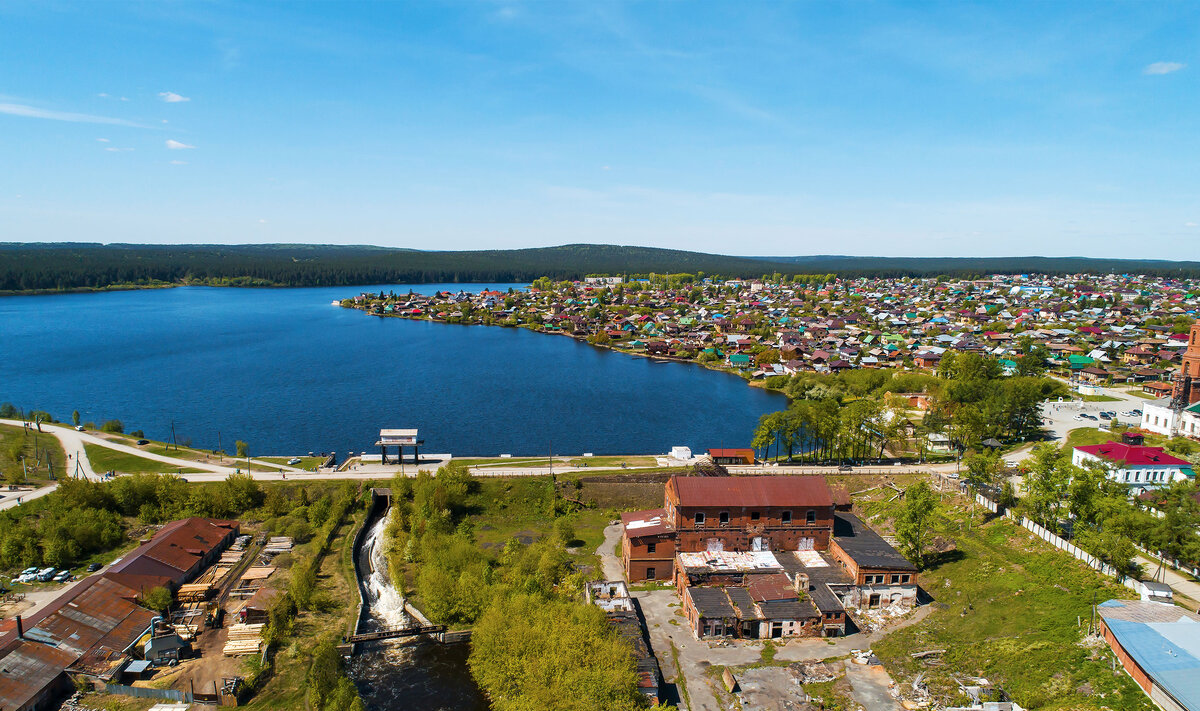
pixel 383 600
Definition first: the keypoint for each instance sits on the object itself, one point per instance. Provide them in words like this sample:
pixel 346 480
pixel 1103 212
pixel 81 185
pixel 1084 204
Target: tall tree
pixel 913 522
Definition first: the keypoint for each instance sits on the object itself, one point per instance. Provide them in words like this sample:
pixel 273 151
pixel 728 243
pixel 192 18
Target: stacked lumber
pixel 244 639
pixel 193 592
pixel 278 544
pixel 230 558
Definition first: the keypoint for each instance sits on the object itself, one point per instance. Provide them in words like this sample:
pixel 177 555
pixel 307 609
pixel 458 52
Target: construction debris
pixel 812 672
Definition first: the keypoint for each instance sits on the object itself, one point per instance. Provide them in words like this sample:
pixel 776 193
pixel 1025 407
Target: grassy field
pixel 1008 608
pixel 1099 398
pixel 104 459
pixel 1084 436
pixel 35 447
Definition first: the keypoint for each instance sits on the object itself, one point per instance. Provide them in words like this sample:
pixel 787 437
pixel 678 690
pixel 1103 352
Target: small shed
pixel 135 670
pixel 164 647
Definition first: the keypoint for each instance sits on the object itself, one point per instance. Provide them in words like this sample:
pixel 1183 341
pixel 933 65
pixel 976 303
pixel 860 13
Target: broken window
pixel 699 518
pixel 754 515
pixel 650 547
pixel 811 517
pixel 785 517
pixel 649 573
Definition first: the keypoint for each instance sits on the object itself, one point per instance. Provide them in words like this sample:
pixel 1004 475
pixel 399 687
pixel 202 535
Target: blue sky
pixel 1054 128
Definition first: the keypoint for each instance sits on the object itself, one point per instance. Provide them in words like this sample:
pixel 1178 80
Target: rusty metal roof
pixel 175 549
pixel 750 491
pixel 27 670
pixel 650 522
pixel 775 586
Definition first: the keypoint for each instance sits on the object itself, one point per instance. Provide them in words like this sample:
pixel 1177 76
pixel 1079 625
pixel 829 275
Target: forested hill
pixel 64 266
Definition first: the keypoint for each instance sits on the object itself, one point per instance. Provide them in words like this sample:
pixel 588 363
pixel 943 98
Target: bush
pixel 114 426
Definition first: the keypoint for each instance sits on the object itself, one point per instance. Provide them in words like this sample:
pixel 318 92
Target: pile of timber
pixel 243 640
pixel 230 558
pixel 193 592
pixel 278 544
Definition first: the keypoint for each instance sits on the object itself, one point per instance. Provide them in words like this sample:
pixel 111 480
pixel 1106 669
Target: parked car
pixel 62 577
pixel 293 461
pixel 30 570
pixel 93 567
pixel 79 428
pixel 46 574
pixel 140 442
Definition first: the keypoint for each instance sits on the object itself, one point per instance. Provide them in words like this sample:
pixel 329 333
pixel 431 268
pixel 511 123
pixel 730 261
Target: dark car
pixel 143 441
pixel 93 567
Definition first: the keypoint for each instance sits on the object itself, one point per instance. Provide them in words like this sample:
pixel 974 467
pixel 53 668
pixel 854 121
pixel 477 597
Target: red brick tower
pixel 1187 381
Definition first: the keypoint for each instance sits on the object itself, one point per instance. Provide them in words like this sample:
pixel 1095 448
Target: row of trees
pixel 858 413
pixel 84 517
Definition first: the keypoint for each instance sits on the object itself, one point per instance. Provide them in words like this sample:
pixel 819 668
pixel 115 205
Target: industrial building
pixel 92 630
pixel 1159 646
pixel 764 556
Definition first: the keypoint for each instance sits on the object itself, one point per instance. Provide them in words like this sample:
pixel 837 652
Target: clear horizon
pixel 750 129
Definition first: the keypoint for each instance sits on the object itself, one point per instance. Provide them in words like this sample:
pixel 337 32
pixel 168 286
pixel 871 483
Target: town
pixel 814 575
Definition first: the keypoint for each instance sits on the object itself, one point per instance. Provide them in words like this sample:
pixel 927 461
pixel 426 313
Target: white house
pixel 1137 466
pixel 1159 418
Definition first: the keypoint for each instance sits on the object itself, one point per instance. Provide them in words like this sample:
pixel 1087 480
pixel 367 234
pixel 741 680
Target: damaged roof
pixel 865 546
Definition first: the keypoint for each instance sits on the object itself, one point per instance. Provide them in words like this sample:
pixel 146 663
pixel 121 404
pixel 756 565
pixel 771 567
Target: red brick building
pixel 761 513
pixel 1187 382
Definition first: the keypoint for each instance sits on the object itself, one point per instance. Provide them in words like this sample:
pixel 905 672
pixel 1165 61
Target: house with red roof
pixel 1138 466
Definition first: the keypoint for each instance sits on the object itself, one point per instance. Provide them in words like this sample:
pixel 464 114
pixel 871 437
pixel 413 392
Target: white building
pixel 1139 467
pixel 1159 418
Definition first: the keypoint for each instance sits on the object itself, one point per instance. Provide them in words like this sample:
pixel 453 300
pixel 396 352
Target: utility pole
pixel 220 448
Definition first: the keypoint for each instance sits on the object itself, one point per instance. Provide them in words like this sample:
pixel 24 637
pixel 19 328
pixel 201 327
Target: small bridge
pixel 396 633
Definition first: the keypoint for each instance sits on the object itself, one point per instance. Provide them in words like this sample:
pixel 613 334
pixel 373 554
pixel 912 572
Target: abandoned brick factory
pixel 764 556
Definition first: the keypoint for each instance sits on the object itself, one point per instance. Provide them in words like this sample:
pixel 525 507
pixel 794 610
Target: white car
pixel 293 461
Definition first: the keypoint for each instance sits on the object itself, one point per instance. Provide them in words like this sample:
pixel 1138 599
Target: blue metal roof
pixel 1169 652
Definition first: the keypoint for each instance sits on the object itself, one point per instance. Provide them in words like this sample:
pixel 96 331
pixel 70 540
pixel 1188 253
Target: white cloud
pixel 262 222
pixel 176 145
pixel 1163 68
pixel 179 162
pixel 102 95
pixel 124 98
pixel 112 149
pixel 171 97
pixel 34 112
pixel 1190 224
pixel 102 140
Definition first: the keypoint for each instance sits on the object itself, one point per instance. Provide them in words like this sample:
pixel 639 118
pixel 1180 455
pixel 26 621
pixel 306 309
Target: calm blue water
pixel 287 372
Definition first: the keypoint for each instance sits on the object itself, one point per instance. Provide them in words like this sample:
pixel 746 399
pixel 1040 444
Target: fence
pixel 1057 541
pixel 181 697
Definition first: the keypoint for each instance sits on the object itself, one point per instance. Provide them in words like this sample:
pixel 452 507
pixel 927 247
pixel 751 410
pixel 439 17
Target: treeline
pixel 858 414
pixel 82 518
pixel 535 644
pixel 67 266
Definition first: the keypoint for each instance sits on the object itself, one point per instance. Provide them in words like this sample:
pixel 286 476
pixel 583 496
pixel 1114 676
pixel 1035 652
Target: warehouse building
pixel 1159 646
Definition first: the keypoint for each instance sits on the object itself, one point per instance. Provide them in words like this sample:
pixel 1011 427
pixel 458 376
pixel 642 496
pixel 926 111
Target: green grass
pixel 1099 398
pixel 1139 393
pixel 1085 436
pixel 104 459
pixel 602 461
pixel 1006 608
pixel 34 446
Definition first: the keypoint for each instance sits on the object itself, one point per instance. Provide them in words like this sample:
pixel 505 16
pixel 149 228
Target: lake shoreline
pixel 760 384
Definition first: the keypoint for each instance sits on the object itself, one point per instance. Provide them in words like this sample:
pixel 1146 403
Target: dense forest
pixel 68 266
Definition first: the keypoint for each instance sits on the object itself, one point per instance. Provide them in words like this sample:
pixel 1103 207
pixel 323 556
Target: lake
pixel 289 373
